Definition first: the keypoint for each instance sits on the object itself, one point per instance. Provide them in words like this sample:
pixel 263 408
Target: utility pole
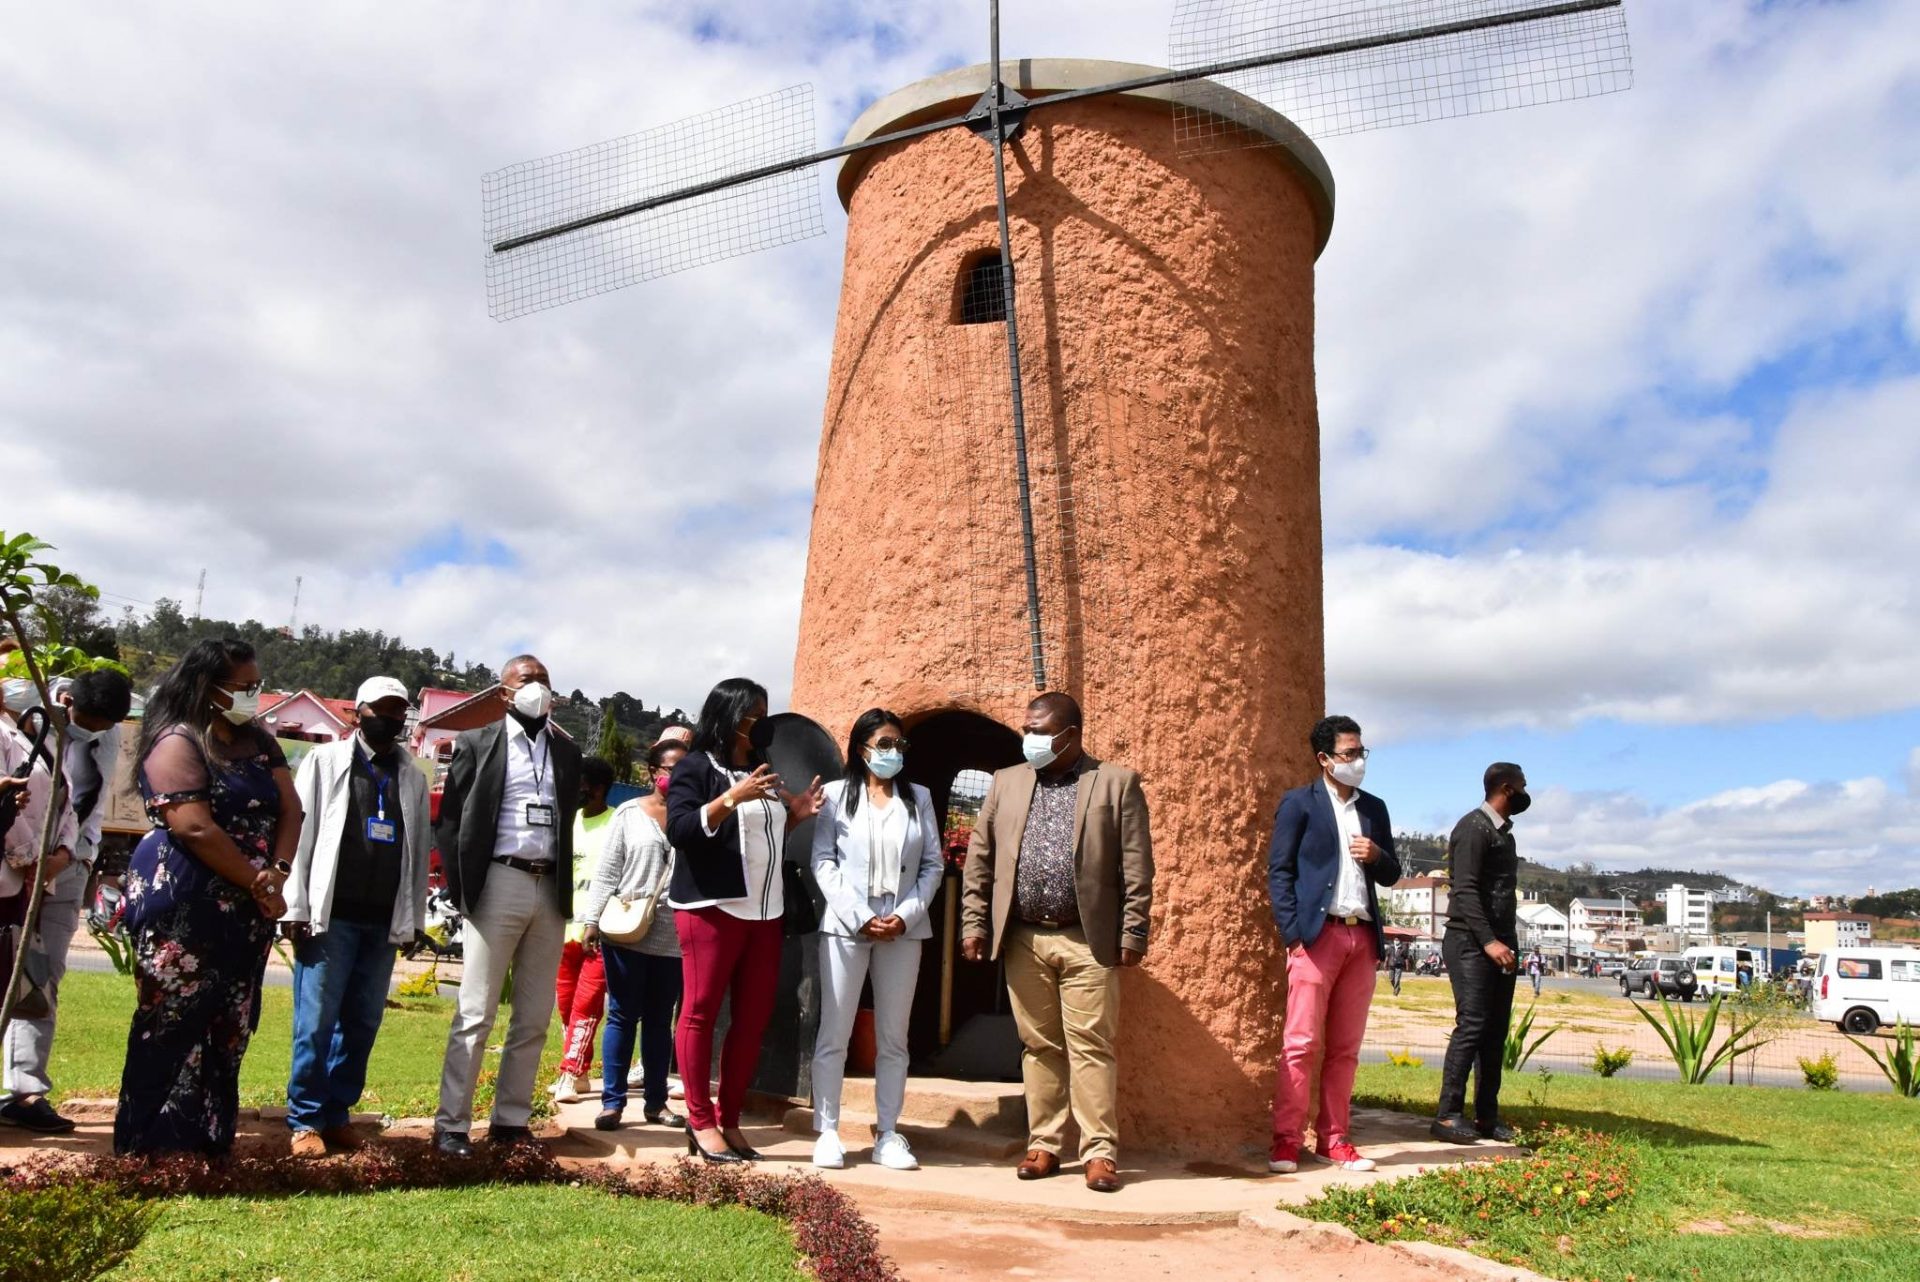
pixel 293 616
pixel 200 597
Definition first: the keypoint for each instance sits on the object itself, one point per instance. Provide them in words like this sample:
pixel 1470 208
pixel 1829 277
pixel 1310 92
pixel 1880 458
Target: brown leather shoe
pixel 308 1144
pixel 1038 1164
pixel 1102 1175
pixel 343 1139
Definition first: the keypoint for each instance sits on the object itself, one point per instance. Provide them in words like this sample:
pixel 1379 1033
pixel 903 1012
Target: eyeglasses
pixel 888 744
pixel 1351 754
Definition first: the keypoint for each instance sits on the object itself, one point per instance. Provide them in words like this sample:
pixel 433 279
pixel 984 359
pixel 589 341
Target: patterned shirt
pixel 1043 889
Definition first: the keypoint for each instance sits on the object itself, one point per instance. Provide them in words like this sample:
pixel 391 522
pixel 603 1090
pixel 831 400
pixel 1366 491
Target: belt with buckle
pixel 526 866
pixel 1350 921
pixel 1047 923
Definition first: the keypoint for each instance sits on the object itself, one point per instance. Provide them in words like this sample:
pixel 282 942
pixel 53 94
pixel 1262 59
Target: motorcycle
pixel 1430 965
pixel 444 928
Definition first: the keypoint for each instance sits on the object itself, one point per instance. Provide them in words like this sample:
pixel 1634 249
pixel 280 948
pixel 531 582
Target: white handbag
pixel 627 921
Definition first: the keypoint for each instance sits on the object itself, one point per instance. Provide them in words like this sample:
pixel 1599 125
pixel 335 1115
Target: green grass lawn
pixel 403 1077
pixel 1735 1182
pixel 493 1233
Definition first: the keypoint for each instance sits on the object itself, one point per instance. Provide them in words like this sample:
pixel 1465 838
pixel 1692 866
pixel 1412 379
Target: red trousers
pixel 722 958
pixel 1329 992
pixel 580 995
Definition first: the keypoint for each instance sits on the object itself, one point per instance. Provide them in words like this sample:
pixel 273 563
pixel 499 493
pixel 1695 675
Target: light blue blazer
pixel 840 865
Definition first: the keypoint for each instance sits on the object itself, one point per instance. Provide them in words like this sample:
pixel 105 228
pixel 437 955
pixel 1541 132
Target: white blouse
pixel 886 839
pixel 763 836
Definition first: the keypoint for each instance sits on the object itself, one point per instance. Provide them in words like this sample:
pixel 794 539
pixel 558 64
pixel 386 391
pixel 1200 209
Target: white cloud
pixel 242 328
pixel 1788 836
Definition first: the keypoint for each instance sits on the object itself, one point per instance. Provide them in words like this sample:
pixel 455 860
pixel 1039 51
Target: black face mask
pixel 381 732
pixel 760 736
pixel 1517 803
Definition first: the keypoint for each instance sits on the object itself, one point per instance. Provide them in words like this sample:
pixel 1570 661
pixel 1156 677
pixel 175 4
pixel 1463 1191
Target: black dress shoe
pixel 452 1144
pixel 502 1136
pixel 38 1117
pixel 1499 1132
pixel 721 1158
pixel 664 1117
pixel 1454 1130
pixel 745 1152
pixel 608 1120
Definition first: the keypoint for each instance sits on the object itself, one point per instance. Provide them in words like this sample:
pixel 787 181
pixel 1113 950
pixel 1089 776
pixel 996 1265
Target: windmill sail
pixel 1340 66
pixel 622 237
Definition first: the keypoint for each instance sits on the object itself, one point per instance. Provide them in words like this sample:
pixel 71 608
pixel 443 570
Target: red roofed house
pixel 306 715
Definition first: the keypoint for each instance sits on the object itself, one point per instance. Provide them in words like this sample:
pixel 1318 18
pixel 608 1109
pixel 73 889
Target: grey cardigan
pixel 634 859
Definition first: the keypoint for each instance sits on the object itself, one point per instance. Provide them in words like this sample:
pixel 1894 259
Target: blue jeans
pixel 339 996
pixel 641 989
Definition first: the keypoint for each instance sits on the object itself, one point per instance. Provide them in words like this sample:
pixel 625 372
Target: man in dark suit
pixel 506 845
pixel 1059 881
pixel 1480 946
pixel 1332 845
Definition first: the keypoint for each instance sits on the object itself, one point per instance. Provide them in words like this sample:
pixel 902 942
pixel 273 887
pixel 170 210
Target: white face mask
pixel 533 700
pixel 885 762
pixel 1350 773
pixel 78 733
pixel 1039 750
pixel 19 694
pixel 243 706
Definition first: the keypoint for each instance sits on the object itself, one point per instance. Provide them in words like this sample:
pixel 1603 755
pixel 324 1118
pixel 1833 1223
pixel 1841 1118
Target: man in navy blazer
pixel 1332 845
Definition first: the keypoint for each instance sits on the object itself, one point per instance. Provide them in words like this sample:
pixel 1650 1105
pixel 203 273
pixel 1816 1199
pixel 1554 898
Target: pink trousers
pixel 1329 990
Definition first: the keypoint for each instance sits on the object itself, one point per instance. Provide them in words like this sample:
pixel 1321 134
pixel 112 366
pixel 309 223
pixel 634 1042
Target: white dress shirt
pixel 886 841
pixel 763 838
pixel 529 781
pixel 90 766
pixel 1350 882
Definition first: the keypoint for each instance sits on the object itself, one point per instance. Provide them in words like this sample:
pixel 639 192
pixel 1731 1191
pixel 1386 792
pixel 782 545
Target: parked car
pixel 1667 973
pixel 1605 966
pixel 1859 989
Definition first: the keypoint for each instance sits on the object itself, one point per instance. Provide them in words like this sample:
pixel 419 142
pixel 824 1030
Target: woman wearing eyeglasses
pixel 876 857
pixel 202 897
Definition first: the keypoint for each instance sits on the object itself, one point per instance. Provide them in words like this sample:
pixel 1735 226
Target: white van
pixel 1859 989
pixel 1721 970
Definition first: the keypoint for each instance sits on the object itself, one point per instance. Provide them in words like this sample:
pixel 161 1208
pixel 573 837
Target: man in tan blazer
pixel 1060 882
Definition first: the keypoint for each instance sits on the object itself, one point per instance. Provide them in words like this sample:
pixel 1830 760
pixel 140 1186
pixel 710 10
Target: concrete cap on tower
pixel 951 92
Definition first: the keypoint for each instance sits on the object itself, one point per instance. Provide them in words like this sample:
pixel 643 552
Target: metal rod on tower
pixel 293 615
pixel 200 596
pixel 996 96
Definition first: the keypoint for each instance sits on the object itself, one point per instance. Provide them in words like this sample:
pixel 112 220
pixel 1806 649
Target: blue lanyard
pixel 381 779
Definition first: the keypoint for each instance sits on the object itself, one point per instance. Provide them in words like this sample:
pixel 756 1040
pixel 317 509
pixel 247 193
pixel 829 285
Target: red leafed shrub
pixel 836 1242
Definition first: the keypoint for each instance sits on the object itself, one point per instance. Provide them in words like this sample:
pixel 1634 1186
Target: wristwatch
pixel 726 799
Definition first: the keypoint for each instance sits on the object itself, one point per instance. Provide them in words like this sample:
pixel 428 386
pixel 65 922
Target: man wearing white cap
pixel 358 891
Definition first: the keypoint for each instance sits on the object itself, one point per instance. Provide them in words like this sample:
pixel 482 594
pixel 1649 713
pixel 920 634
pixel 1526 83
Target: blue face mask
pixel 1039 750
pixel 885 762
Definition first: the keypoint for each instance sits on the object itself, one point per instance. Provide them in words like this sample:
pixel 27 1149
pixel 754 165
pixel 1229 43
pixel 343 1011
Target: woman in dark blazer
pixel 727 819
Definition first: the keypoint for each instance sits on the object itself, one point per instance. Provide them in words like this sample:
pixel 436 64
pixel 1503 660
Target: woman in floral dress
pixel 202 897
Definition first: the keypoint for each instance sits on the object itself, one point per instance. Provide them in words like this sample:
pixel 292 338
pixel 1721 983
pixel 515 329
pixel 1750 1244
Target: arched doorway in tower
pixel 962 1026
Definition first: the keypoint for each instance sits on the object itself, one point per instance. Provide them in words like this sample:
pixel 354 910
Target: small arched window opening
pixel 983 299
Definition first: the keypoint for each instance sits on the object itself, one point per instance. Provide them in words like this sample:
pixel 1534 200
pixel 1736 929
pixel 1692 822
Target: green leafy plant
pixel 70 1232
pixel 1519 1049
pixel 1573 1178
pixel 1608 1062
pixel 116 945
pixel 425 984
pixel 1689 1038
pixel 1821 1074
pixel 1404 1059
pixel 1901 1064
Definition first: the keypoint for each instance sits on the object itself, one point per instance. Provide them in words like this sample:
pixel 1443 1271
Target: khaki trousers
pixel 1067 1007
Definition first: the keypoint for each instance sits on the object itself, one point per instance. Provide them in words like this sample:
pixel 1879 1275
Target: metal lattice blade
pixel 1343 66
pixel 587 185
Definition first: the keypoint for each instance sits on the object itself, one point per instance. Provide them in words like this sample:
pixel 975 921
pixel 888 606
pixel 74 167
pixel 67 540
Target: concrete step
pixel 858 1129
pixel 997 1107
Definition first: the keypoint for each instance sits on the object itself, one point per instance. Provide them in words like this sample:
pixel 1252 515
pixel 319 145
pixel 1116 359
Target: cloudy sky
pixel 1620 399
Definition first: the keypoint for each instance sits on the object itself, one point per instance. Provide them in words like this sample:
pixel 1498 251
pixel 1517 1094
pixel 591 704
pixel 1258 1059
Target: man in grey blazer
pixel 1059 882
pixel 506 844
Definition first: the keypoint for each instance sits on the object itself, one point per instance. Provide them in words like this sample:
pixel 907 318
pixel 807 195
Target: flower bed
pixel 836 1243
pixel 1573 1180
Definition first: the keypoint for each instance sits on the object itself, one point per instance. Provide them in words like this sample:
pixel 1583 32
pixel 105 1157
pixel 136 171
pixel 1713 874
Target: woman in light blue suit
pixel 876 857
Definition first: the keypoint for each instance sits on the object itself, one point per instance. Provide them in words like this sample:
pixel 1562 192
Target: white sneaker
pixel 891 1151
pixel 563 1091
pixel 829 1152
pixel 637 1075
pixel 582 1084
pixel 675 1088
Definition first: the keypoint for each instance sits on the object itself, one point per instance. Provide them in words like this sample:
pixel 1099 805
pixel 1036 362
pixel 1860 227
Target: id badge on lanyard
pixel 381 830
